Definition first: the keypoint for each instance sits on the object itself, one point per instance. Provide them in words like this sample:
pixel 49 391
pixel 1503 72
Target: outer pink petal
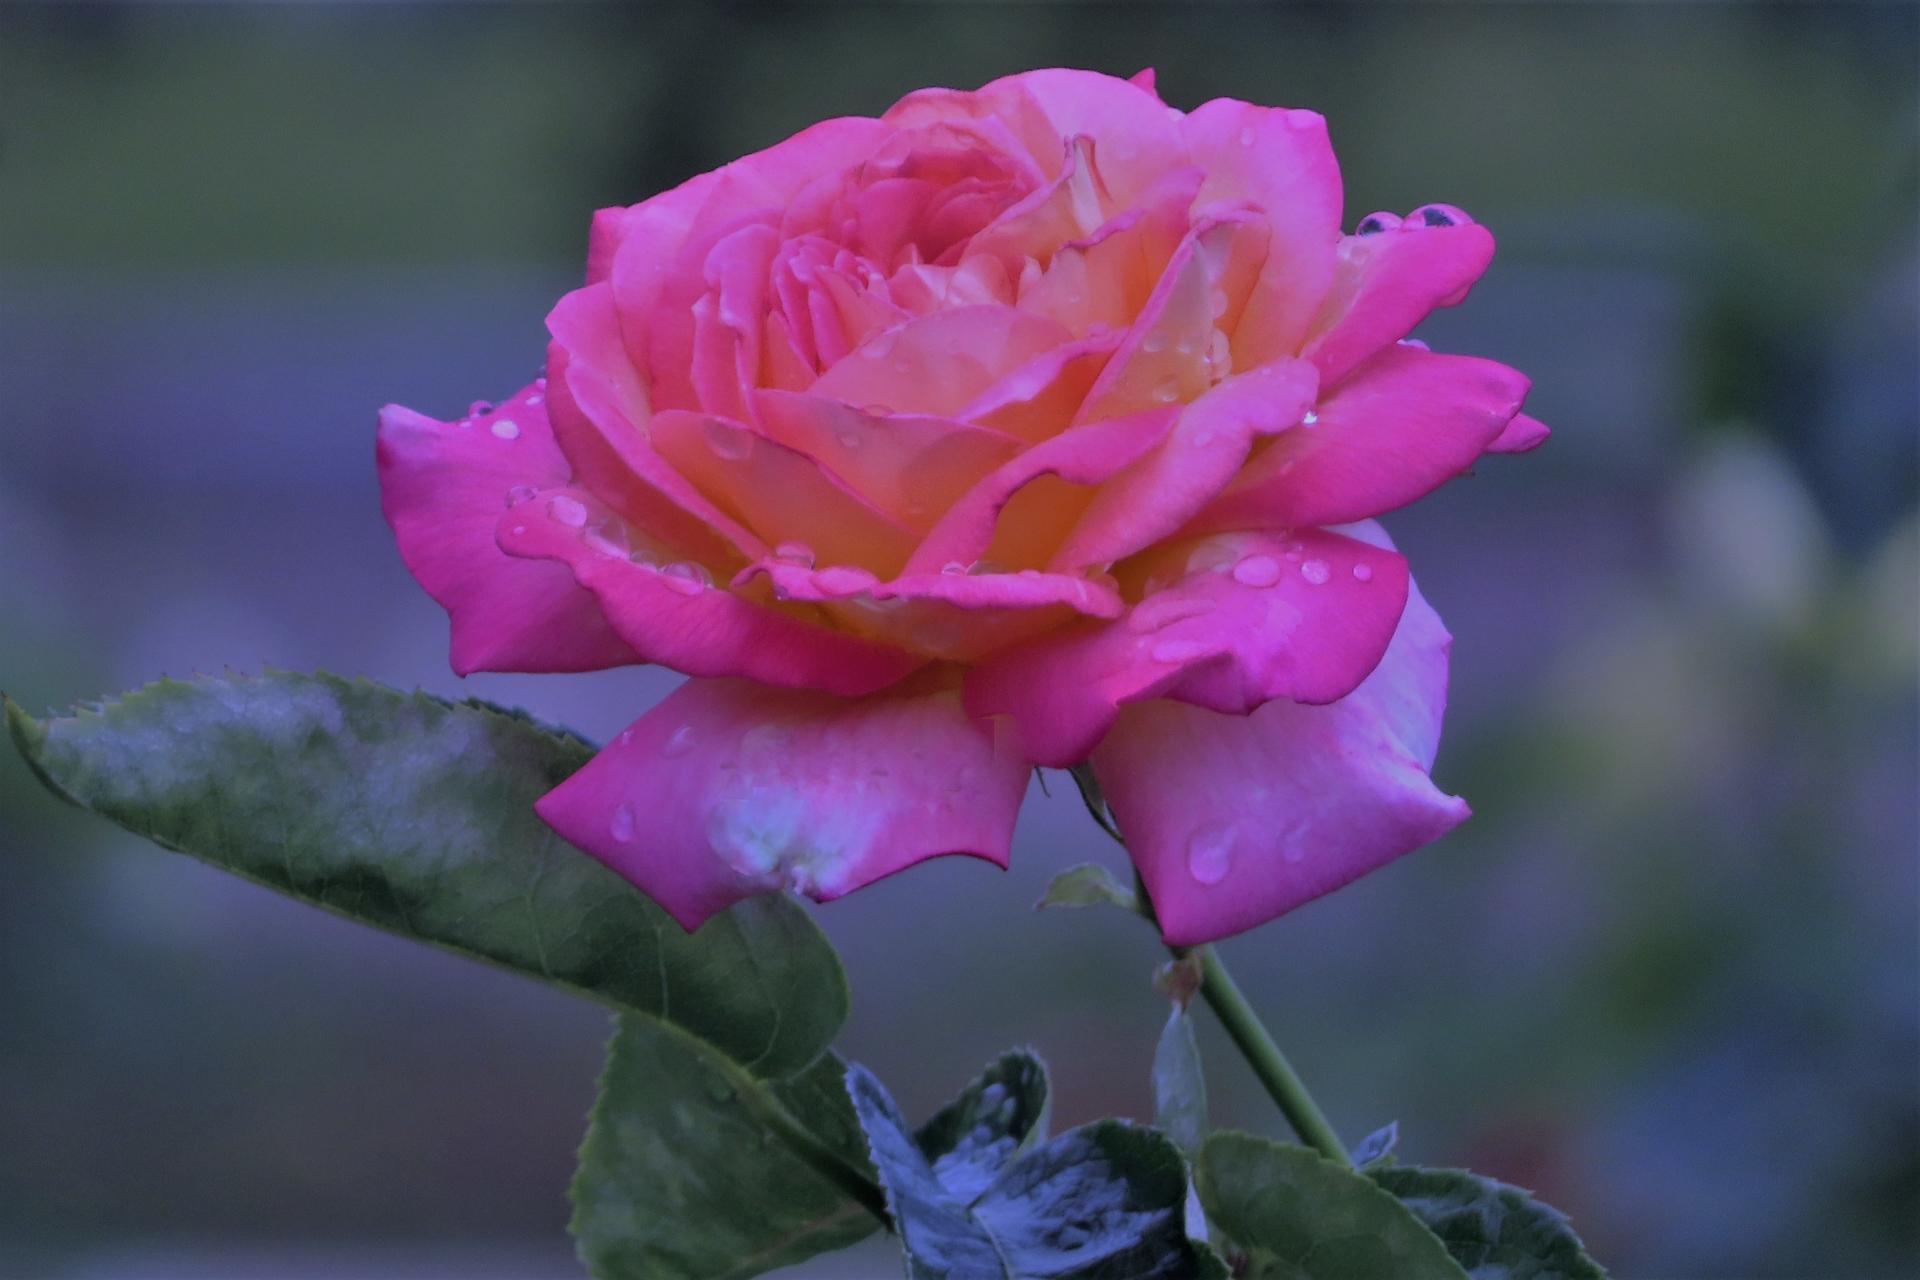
pixel 1386 284
pixel 1522 435
pixel 782 494
pixel 1281 161
pixel 1234 820
pixel 1253 618
pixel 442 487
pixel 729 789
pixel 1084 456
pixel 1404 424
pixel 1155 496
pixel 599 410
pixel 937 362
pixel 670 616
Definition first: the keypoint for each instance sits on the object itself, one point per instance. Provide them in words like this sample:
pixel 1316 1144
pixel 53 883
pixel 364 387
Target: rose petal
pixel 669 615
pixel 728 321
pixel 1164 357
pixel 728 789
pixel 1018 514
pixel 1387 283
pixel 1108 278
pixel 1242 620
pixel 442 487
pixel 782 495
pixel 1280 161
pixel 598 408
pixel 1036 401
pixel 1155 496
pixel 911 466
pixel 1521 435
pixel 1404 424
pixel 1233 820
pixel 937 362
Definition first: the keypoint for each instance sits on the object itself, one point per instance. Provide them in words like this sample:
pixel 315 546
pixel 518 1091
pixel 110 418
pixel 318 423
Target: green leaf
pixel 415 814
pixel 1102 1202
pixel 1295 1215
pixel 1000 1115
pixel 1087 885
pixel 686 1173
pixel 1179 1085
pixel 1495 1231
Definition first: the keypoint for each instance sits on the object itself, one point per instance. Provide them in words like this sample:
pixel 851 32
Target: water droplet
pixel 1157 612
pixel 953 568
pixel 1315 571
pixel 1415 343
pixel 1184 346
pixel 1364 572
pixel 1257 571
pixel 608 537
pixel 1375 223
pixel 1180 650
pixel 540 383
pixel 519 530
pixel 726 441
pixel 1219 355
pixel 626 736
pixel 1310 418
pixel 1439 215
pixel 505 429
pixel 849 439
pixel 986 566
pixel 1029 573
pixel 1210 852
pixel 1217 556
pixel 568 512
pixel 521 493
pixel 479 407
pixel 795 553
pixel 1293 554
pixel 1167 390
pixel 1247 137
pixel 1155 341
pixel 536 400
pixel 680 743
pixel 843 580
pixel 1217 303
pixel 686 577
pixel 622 825
pixel 938 635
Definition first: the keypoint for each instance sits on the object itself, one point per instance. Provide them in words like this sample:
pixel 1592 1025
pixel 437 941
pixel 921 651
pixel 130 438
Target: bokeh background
pixel 1667 976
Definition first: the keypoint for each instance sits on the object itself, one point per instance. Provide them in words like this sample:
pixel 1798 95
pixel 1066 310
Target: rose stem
pixel 1224 997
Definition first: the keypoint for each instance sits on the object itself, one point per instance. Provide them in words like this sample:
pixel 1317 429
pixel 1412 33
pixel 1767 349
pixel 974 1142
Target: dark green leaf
pixel 1295 1215
pixel 1495 1231
pixel 998 1116
pixel 1086 885
pixel 1179 1086
pixel 1102 1202
pixel 1377 1146
pixel 416 815
pixel 682 1177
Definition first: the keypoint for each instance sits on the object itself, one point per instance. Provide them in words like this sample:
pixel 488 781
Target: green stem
pixel 1263 1055
pixel 1223 996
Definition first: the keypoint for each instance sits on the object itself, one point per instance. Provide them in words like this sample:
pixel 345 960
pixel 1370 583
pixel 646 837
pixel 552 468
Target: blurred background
pixel 1670 974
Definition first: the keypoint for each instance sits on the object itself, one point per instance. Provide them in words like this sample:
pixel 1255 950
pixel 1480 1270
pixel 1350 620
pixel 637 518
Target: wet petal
pixel 442 488
pixel 1036 401
pixel 1241 620
pixel 937 362
pixel 1233 820
pixel 1386 284
pixel 728 323
pixel 729 789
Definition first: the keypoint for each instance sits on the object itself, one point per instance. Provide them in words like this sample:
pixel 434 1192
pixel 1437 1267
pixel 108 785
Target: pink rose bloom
pixel 1031 426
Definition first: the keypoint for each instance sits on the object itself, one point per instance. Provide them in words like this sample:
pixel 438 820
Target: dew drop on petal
pixel 1415 343
pixel 568 512
pixel 1310 418
pixel 1246 137
pixel 686 577
pixel 505 429
pixel 1315 571
pixel 622 825
pixel 1374 223
pixel 849 439
pixel 1155 341
pixel 986 566
pixel 1363 572
pixel 536 399
pixel 1217 303
pixel 795 553
pixel 1167 390
pixel 479 407
pixel 1439 215
pixel 521 493
pixel 726 441
pixel 953 568
pixel 1257 571
pixel 519 529
pixel 680 743
pixel 1210 852
pixel 1171 651
pixel 1219 355
pixel 843 580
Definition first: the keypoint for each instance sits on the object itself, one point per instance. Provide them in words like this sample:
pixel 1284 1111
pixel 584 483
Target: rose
pixel 1037 425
